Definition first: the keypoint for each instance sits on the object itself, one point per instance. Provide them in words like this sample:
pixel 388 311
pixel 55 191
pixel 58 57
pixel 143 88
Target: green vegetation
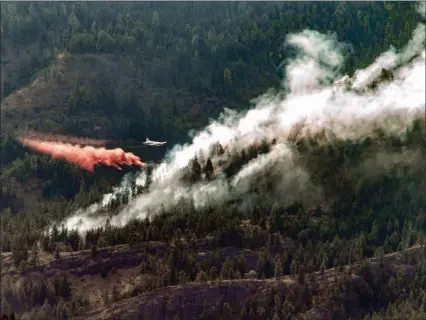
pixel 165 69
pixel 369 217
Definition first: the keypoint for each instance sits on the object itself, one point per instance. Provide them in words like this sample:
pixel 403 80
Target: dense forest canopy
pixel 165 68
pixel 124 71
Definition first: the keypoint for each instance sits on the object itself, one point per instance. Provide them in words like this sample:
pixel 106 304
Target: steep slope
pixel 88 95
pixel 120 278
pixel 128 72
pixel 161 70
pixel 263 210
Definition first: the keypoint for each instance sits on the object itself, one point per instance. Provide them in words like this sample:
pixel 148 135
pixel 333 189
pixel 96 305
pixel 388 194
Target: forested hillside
pixel 162 69
pixel 127 71
pixel 353 248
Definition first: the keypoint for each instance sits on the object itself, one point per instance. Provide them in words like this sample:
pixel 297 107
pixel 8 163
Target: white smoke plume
pixel 391 58
pixel 319 59
pixel 421 9
pixel 309 103
pixel 88 218
pixel 382 162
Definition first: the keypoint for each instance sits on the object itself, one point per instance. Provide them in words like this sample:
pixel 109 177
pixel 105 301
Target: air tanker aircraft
pixel 154 143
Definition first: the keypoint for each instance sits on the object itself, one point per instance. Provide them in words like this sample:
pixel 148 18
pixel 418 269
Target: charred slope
pixel 350 291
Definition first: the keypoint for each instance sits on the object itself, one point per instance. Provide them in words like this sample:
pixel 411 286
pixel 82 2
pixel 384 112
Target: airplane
pixel 154 143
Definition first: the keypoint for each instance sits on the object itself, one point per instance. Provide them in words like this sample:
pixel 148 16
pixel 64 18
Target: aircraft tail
pixel 147 140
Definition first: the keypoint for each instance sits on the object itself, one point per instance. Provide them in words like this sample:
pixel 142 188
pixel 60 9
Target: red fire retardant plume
pixel 85 157
pixel 33 135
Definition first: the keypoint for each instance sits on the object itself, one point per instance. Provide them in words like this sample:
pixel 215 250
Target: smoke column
pixel 85 157
pixel 309 105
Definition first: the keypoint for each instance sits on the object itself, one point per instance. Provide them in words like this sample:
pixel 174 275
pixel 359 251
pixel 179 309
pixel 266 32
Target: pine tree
pixel 94 251
pixel 323 266
pixel 65 287
pixel 115 293
pixel 22 266
pixel 182 277
pixel 227 311
pixel 19 250
pixel 204 314
pixel 227 76
pixel 34 255
pixel 260 264
pixel 173 276
pixel 277 306
pixel 293 267
pixel 155 19
pixel 213 273
pixel 287 310
pixel 275 218
pixel 243 312
pixel 208 170
pixel 57 253
pixel 301 275
pixel 106 298
pixel 278 271
pixel 195 171
pixel 201 277
pixel 226 272
pixel 391 290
